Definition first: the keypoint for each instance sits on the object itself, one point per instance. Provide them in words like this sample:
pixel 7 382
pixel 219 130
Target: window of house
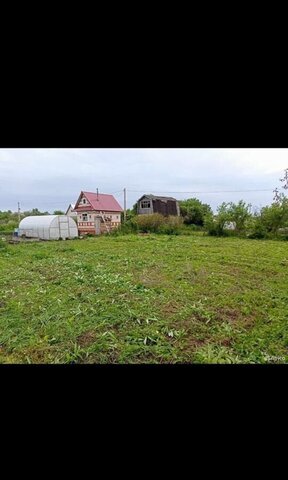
pixel 84 217
pixel 145 204
pixel 84 200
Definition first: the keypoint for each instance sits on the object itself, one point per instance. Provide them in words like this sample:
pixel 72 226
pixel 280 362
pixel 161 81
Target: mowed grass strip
pixel 144 299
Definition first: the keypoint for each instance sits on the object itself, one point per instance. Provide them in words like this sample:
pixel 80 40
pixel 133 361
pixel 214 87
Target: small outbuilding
pixel 230 226
pixel 166 206
pixel 70 212
pixel 48 227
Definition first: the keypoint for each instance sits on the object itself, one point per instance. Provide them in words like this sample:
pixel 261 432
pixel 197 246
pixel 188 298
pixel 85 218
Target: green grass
pixel 144 299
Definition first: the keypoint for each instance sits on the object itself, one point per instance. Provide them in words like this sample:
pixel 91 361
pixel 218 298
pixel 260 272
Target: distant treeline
pixel 9 220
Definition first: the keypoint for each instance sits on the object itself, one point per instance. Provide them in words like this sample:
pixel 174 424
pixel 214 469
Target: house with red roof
pixel 97 213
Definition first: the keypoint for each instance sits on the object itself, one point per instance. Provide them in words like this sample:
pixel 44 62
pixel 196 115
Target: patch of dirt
pixel 192 342
pixel 95 358
pixel 147 355
pixel 190 328
pixel 170 308
pixel 248 321
pixel 226 342
pixel 234 316
pixel 187 323
pixel 36 355
pixel 86 338
pixel 228 314
pixel 113 356
pixel 4 350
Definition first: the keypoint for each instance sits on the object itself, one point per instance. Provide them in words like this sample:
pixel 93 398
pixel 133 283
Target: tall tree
pixel 194 211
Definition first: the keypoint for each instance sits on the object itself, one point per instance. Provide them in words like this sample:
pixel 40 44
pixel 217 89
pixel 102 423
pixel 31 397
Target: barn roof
pixel 157 197
pixel 102 201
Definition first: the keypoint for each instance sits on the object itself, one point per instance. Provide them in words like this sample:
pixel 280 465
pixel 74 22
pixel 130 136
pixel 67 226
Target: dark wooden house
pixel 154 204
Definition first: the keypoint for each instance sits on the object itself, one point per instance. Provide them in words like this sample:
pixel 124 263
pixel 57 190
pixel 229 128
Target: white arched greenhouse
pixel 48 227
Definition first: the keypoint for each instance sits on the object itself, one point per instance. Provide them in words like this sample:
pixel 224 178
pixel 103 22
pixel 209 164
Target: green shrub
pixel 239 213
pixel 156 223
pixel 214 226
pixel 125 228
pixel 275 216
pixel 129 227
pixel 190 229
pixel 270 222
pixel 8 227
pixel 194 228
pixel 149 223
pixel 256 229
pixel 171 226
pixel 194 211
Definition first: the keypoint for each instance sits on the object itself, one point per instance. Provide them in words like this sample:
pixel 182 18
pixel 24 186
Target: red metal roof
pixel 102 201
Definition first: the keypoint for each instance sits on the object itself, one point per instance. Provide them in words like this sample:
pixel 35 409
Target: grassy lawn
pixel 144 299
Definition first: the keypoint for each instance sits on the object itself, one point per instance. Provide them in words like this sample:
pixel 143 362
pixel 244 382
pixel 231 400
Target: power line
pixel 218 191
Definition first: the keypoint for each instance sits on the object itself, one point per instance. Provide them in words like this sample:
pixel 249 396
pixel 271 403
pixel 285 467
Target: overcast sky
pixel 50 179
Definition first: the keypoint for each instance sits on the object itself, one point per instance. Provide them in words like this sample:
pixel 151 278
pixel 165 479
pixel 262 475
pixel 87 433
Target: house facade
pixel 149 204
pixel 97 213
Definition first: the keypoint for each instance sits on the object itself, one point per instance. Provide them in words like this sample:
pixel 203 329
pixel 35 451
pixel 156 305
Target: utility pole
pixel 124 204
pixel 19 217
